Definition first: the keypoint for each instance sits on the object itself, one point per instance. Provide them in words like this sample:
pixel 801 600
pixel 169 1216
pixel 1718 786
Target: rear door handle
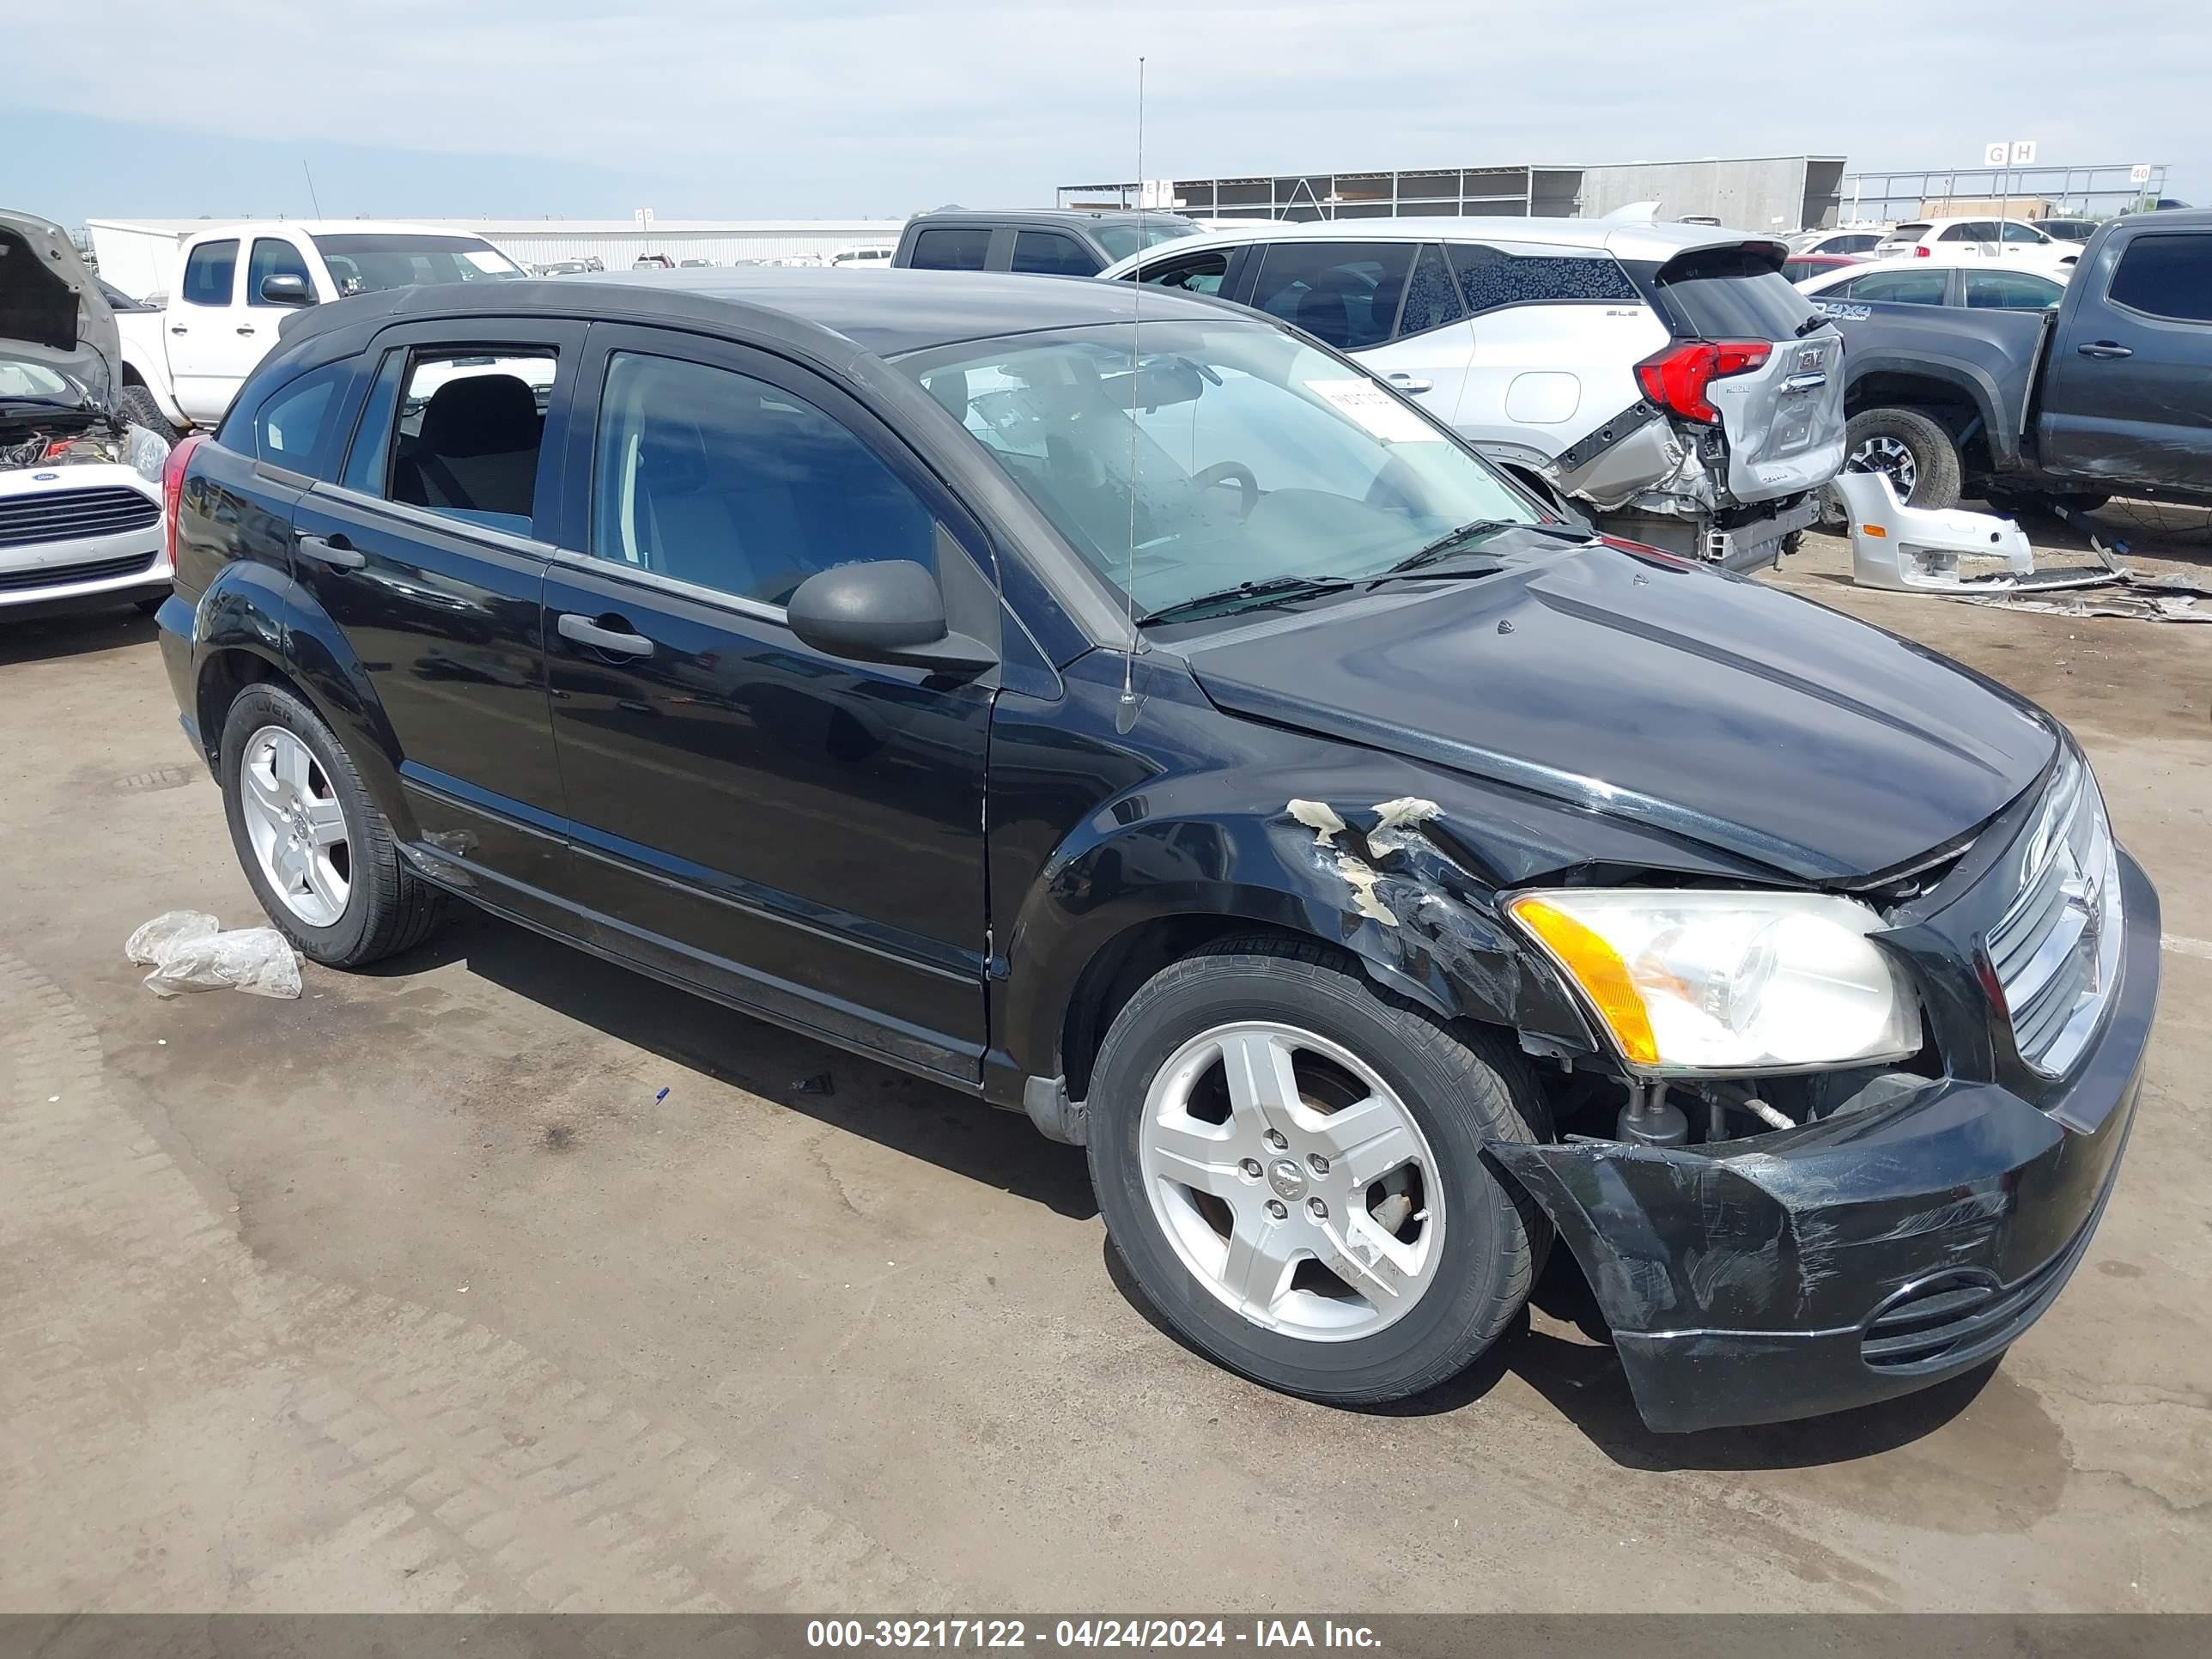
pixel 179 328
pixel 2104 348
pixel 1405 382
pixel 584 631
pixel 333 551
pixel 246 328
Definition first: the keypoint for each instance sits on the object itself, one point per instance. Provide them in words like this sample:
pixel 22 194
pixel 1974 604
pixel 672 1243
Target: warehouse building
pixel 1773 192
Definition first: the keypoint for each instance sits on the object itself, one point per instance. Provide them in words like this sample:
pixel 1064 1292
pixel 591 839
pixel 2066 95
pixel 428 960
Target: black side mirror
pixel 886 610
pixel 285 288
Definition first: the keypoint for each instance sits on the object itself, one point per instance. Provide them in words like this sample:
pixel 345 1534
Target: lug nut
pixel 1250 1166
pixel 1276 1140
pixel 1276 1208
pixel 1316 1209
pixel 1318 1165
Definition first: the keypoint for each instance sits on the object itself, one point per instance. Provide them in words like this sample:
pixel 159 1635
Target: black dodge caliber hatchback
pixel 1158 725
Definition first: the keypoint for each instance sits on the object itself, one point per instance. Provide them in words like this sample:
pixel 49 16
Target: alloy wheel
pixel 1291 1181
pixel 1883 453
pixel 296 826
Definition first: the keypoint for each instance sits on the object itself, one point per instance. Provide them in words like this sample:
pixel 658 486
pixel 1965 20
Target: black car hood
pixel 54 320
pixel 1717 708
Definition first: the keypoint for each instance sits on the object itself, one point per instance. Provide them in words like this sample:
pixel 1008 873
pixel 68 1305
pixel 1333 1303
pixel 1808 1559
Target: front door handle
pixel 1409 382
pixel 585 630
pixel 2104 348
pixel 246 328
pixel 334 551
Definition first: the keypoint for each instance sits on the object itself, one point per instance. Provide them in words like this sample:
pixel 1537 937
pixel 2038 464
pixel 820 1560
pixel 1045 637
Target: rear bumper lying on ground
pixel 1858 1257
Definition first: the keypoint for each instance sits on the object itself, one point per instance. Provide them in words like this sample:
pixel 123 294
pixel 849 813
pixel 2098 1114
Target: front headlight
pixel 1728 981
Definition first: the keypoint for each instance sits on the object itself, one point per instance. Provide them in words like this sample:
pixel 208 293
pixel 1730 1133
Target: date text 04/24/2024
pixel 1086 1634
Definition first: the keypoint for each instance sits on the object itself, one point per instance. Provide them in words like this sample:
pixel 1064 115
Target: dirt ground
pixel 415 1294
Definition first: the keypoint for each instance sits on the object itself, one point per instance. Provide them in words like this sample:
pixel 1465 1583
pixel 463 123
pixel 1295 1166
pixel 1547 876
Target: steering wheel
pixel 1229 472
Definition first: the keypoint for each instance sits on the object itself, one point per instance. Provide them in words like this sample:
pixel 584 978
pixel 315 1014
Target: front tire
pixel 319 855
pixel 1378 1250
pixel 138 404
pixel 1920 457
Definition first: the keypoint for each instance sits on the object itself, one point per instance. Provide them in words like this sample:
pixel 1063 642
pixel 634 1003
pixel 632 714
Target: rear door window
pixel 1345 293
pixel 1048 254
pixel 1492 279
pixel 209 274
pixel 1731 293
pixel 2011 291
pixel 953 247
pixel 2167 275
pixel 274 257
pixel 457 430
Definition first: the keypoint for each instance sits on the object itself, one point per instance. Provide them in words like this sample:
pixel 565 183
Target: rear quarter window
pixel 1729 294
pixel 1492 279
pixel 951 247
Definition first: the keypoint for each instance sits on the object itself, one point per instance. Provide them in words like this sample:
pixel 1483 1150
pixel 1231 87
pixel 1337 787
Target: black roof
pixel 887 312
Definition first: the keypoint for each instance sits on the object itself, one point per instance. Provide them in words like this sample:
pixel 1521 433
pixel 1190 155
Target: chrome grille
pixel 2057 951
pixel 74 515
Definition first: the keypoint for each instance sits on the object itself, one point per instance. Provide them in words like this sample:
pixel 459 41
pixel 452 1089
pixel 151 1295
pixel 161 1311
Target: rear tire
pixel 1438 1245
pixel 1919 455
pixel 385 907
pixel 138 405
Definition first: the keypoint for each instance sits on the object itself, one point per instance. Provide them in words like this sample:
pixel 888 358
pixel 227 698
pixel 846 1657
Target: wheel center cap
pixel 1287 1179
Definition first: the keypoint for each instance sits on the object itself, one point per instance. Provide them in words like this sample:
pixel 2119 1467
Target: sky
pixel 876 108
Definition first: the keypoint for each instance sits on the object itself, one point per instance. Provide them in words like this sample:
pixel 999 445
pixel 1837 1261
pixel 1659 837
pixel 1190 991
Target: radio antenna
pixel 1136 368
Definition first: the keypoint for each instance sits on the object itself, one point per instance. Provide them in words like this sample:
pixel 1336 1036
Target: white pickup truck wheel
pixel 138 407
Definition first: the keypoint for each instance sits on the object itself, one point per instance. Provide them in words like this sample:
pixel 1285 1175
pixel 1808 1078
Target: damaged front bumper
pixel 1857 1257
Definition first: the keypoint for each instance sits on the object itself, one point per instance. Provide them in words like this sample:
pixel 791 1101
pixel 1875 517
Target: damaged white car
pixel 79 488
pixel 1665 379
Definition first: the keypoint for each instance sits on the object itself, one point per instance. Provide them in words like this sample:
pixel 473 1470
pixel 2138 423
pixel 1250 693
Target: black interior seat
pixel 477 448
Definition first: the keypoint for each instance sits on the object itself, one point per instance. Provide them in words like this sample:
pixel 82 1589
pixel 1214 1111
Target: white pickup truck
pixel 183 365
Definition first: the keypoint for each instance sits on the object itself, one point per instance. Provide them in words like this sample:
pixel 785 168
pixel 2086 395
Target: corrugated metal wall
pixel 1765 194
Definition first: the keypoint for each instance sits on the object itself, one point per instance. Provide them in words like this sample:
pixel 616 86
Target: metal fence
pixel 2098 191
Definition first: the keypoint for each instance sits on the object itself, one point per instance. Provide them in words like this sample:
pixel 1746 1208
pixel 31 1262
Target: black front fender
pixel 1398 900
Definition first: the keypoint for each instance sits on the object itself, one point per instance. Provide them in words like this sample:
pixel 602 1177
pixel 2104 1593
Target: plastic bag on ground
pixel 188 951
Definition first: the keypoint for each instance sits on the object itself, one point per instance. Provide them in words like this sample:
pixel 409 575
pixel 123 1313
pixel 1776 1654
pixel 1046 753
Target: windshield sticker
pixel 485 260
pixel 1377 411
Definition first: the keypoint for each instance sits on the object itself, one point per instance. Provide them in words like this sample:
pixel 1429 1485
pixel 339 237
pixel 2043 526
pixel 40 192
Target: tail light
pixel 173 489
pixel 1924 251
pixel 1676 378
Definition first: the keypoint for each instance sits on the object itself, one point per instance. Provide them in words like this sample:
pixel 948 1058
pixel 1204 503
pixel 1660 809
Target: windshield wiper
pixel 1275 590
pixel 1481 530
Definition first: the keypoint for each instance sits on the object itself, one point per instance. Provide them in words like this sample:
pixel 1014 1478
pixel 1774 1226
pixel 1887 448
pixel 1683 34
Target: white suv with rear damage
pixel 1667 378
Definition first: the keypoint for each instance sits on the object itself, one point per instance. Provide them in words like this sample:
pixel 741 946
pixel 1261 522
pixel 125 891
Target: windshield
pixel 361 262
pixel 1256 457
pixel 1121 240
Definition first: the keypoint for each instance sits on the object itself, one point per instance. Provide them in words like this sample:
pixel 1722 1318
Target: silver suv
pixel 1667 377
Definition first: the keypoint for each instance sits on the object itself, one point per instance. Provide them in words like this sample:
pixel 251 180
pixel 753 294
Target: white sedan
pixel 1952 280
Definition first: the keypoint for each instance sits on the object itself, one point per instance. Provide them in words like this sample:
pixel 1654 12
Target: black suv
pixel 1039 242
pixel 1164 728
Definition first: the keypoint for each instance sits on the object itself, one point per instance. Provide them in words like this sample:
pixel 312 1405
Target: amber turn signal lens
pixel 1597 968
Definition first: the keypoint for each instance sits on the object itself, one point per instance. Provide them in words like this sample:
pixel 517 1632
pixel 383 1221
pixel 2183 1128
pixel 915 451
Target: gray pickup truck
pixel 2109 393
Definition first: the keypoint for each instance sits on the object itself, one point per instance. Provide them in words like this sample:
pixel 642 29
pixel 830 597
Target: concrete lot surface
pixel 410 1294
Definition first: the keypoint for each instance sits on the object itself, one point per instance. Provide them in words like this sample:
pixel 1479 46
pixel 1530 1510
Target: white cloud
pixel 841 105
